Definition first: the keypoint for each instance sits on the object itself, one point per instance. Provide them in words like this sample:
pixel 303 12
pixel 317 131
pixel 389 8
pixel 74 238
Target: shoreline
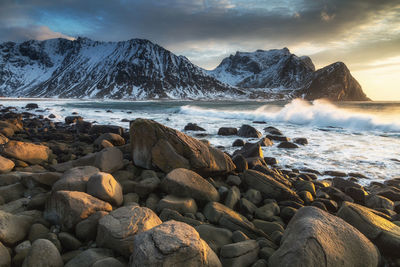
pixel 84 187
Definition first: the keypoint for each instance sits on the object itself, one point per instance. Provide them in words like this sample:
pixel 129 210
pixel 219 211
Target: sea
pixel 362 137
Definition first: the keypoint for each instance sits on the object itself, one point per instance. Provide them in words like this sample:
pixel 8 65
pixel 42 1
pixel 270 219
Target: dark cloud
pixel 182 25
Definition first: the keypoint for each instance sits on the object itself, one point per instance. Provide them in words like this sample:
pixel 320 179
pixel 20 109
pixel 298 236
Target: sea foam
pixel 320 113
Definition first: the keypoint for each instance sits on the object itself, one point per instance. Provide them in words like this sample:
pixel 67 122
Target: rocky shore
pixel 75 193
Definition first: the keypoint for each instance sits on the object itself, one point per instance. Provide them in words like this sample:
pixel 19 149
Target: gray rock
pixel 67 208
pixel 108 262
pixel 248 131
pixel 186 183
pixel 268 186
pixel 239 236
pixel 37 231
pixel 28 152
pixel 103 186
pixel 43 253
pixel 109 159
pixel 75 179
pixel 88 257
pixel 68 241
pixel 172 244
pixel 12 192
pixel 314 238
pixel 240 254
pixel 113 138
pixel 180 204
pixel 13 228
pixel 5 258
pixel 383 233
pixel 268 227
pixel 156 145
pixel 380 202
pixel 117 229
pixel 253 195
pixel 215 237
pixel 168 214
pixel 232 197
pixel 87 229
pixel 267 211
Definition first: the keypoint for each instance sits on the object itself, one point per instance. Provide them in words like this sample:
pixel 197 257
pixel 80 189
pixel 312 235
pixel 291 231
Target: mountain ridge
pixel 141 69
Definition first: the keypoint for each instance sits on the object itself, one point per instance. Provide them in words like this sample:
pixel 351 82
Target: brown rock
pixel 34 154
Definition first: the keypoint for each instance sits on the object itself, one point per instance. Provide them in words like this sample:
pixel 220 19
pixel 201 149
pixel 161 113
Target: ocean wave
pixel 319 113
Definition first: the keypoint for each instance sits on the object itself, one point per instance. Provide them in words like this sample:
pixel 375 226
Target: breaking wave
pixel 319 113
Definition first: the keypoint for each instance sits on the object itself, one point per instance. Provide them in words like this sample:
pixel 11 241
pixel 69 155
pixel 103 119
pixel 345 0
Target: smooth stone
pixel 103 186
pixel 29 152
pixel 172 244
pixel 43 253
pixel 216 237
pixel 5 257
pixel 89 257
pixel 181 205
pixel 87 229
pixel 109 159
pixel 117 229
pixel 6 165
pixel 13 228
pixel 240 254
pixel 75 179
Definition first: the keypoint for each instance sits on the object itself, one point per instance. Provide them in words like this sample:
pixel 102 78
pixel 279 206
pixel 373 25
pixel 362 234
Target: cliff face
pixel 333 82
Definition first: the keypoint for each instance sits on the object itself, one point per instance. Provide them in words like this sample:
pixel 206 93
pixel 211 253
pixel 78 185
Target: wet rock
pixel 248 132
pixel 240 254
pixel 34 154
pixel 31 106
pixel 73 119
pixel 67 208
pixel 172 244
pixel 215 237
pixel 181 205
pixel 301 141
pixel 268 186
pixel 286 144
pixel 265 142
pixel 270 160
pixel 383 233
pixel 185 183
pixel 43 253
pixel 103 186
pixel 314 237
pixel 335 173
pixel 250 150
pixel 101 129
pixel 193 127
pixel 155 145
pixel 238 143
pixel 278 138
pixel 117 229
pixel 272 130
pixel 226 131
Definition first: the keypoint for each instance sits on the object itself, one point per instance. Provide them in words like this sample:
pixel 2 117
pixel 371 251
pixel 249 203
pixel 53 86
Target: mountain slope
pixel 135 69
pixel 333 82
pixel 279 74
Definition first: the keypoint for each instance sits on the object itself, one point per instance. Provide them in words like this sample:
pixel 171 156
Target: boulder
pixel 100 129
pixel 186 183
pixel 108 262
pixel 117 229
pixel 180 204
pixel 42 179
pixel 103 186
pixel 67 208
pixel 87 229
pixel 193 127
pixel 215 237
pixel 301 141
pixel 13 228
pixel 286 144
pixel 248 132
pixel 73 119
pixel 225 131
pixel 89 257
pixel 109 159
pixel 172 244
pixel 113 138
pixel 43 253
pixel 6 165
pixel 317 238
pixel 34 154
pixel 240 254
pixel 217 213
pixel 5 258
pixel 383 233
pixel 31 106
pixel 155 145
pixel 238 143
pixel 75 179
pixel 268 186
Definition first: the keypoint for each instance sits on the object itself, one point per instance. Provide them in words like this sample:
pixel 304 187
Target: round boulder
pixel 172 244
pixel 43 253
pixel 103 186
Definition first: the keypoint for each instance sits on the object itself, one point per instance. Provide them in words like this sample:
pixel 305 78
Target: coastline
pixel 95 186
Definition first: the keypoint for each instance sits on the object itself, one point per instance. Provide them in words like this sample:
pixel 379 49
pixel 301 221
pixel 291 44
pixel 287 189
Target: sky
pixel 364 34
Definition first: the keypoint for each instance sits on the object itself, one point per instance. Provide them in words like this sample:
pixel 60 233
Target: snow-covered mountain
pixel 140 69
pixel 135 69
pixel 264 69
